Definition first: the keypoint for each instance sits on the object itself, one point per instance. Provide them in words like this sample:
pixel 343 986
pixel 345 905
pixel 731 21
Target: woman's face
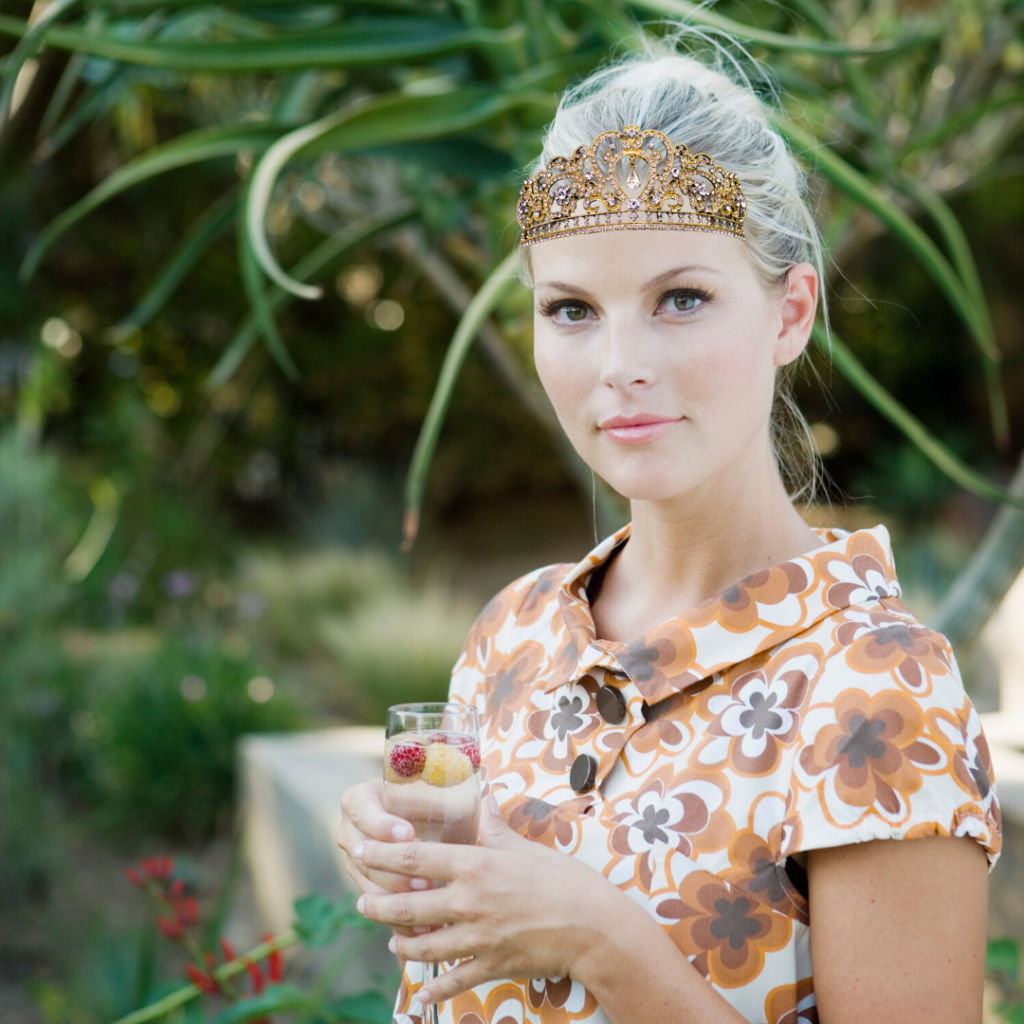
pixel 658 350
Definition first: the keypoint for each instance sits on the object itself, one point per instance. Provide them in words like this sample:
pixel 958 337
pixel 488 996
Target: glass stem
pixel 431 971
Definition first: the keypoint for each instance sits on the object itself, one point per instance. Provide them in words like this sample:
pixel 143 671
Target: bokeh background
pixel 204 478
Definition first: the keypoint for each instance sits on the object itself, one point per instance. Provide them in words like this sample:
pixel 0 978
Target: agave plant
pixel 355 116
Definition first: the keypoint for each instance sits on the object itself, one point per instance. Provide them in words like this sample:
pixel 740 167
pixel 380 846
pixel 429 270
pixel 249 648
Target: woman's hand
pixel 363 818
pixel 519 909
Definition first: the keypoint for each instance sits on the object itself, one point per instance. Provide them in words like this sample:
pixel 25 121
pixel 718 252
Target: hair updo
pixel 710 107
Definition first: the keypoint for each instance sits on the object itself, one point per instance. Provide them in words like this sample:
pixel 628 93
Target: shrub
pixel 162 751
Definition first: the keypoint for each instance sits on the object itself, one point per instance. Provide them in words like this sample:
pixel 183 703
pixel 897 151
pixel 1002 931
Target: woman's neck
pixel 688 549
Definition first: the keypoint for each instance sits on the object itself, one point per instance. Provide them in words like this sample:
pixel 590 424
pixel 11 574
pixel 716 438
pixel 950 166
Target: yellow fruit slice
pixel 445 766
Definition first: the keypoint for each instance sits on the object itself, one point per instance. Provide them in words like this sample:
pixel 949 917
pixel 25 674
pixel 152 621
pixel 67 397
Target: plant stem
pixel 189 992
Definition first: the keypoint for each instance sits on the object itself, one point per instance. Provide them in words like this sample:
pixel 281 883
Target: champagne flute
pixel 432 777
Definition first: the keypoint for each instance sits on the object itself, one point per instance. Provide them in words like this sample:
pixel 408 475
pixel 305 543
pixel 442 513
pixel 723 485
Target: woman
pixel 694 740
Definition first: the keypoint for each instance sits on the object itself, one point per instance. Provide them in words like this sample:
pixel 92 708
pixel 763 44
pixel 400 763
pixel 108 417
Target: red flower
pixel 158 867
pixel 134 877
pixel 204 982
pixel 177 888
pixel 174 930
pixel 255 976
pixel 186 911
pixel 227 949
pixel 275 963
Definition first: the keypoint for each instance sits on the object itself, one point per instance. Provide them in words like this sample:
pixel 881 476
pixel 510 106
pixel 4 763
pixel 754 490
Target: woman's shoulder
pixel 527 598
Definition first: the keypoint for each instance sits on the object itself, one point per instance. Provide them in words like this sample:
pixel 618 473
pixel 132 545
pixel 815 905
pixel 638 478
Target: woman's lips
pixel 638 429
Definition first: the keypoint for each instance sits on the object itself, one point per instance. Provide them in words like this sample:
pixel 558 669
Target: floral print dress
pixel 803 707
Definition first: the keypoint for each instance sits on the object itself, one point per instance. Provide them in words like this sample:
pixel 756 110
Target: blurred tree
pixel 327 132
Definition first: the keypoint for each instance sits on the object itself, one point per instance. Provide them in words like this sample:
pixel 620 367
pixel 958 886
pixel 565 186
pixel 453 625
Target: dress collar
pixel 749 617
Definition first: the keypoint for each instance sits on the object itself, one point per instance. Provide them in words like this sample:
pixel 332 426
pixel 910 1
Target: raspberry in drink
pixel 433 781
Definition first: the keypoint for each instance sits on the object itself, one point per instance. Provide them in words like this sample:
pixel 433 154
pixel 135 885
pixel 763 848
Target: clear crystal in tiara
pixel 634 178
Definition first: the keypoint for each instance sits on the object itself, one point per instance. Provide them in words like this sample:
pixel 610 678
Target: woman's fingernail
pixel 357 850
pixel 392 944
pixel 361 904
pixel 492 805
pixel 402 832
pixel 424 997
pixel 419 883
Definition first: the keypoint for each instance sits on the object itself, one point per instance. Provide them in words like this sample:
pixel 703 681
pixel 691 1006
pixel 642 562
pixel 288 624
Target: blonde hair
pixel 709 104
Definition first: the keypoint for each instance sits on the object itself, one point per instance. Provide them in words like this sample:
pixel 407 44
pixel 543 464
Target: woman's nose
pixel 625 362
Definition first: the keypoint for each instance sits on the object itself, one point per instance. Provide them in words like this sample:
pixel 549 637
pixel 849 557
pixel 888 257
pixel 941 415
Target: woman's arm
pixel 898 931
pixel 521 910
pixel 898 934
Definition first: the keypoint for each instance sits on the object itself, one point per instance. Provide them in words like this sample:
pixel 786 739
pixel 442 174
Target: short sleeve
pixel 890 746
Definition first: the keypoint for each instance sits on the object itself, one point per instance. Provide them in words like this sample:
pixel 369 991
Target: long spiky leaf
pixel 191 148
pixel 32 38
pixel 380 121
pixel 308 268
pixel 909 425
pixel 356 43
pixel 500 282
pixel 200 236
pixel 853 183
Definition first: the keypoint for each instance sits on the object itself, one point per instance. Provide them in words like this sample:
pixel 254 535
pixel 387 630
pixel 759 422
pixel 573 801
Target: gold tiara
pixel 634 178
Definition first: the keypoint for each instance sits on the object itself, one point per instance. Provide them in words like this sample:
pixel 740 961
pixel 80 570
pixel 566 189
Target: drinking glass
pixel 432 777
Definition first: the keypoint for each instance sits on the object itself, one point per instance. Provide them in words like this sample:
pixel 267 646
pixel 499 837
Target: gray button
pixel 583 773
pixel 611 704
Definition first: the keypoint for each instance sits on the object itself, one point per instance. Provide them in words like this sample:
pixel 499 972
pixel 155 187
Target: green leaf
pixel 701 15
pixel 308 268
pixel 364 1008
pixel 273 999
pixel 320 921
pixel 490 294
pixel 199 237
pixel 356 43
pixel 252 282
pixel 1003 955
pixel 940 455
pixel 378 121
pixel 956 123
pixel 32 37
pixel 191 148
pixel 963 260
pixel 854 184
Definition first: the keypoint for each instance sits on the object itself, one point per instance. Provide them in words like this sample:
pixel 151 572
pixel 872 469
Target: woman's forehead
pixel 639 258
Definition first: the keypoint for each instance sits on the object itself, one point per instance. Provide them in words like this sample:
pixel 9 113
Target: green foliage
pixel 893 113
pixel 1002 965
pixel 301 589
pixel 37 687
pixel 162 754
pixel 399 648
pixel 320 922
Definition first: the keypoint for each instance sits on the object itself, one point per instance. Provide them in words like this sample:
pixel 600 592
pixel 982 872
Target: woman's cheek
pixel 567 380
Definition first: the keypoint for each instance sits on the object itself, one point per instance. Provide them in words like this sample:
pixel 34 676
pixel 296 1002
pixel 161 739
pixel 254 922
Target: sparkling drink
pixel 433 781
pixel 432 778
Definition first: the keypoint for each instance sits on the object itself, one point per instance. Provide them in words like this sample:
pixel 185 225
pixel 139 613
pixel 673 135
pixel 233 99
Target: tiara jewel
pixel 634 178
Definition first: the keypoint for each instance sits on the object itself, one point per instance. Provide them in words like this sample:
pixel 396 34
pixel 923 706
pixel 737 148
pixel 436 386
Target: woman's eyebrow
pixel 574 289
pixel 669 274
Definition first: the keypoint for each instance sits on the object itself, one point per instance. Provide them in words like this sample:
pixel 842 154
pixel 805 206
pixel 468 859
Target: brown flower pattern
pixel 739 607
pixel 754 715
pixel 871 752
pixel 803 707
pixel 882 640
pixel 684 812
pixel 723 932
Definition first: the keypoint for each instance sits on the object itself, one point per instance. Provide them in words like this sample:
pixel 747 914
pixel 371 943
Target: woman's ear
pixel 799 302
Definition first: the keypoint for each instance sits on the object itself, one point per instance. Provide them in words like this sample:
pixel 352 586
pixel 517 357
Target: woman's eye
pixel 682 302
pixel 568 312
